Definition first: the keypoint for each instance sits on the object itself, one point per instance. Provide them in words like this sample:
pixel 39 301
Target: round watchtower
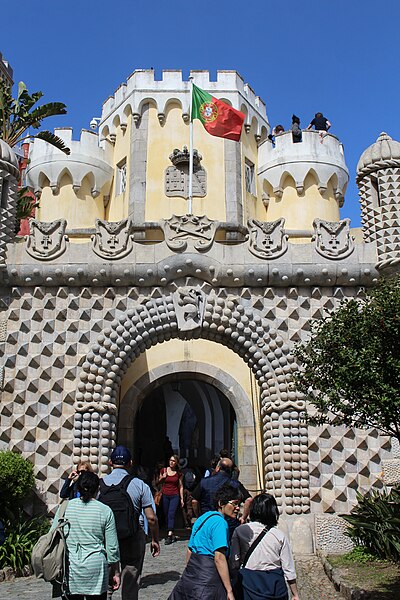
pixel 378 179
pixel 303 181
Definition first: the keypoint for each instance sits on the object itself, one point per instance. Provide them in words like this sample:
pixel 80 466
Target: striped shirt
pixel 92 545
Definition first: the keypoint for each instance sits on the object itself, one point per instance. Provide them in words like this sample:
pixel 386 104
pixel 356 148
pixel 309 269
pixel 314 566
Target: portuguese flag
pixel 218 118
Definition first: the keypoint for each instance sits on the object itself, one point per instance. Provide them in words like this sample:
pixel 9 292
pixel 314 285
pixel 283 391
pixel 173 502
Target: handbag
pixel 237 587
pixel 157 498
pixel 49 553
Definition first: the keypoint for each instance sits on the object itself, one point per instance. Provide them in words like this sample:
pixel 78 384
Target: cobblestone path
pixel 160 575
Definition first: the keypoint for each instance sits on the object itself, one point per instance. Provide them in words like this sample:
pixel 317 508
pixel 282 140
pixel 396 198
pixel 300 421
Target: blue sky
pixel 341 57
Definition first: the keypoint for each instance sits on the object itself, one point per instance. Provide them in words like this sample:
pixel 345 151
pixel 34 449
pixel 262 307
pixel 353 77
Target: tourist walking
pixel 70 487
pixel 172 494
pixel 204 494
pixel 92 543
pixel 128 496
pixel 206 575
pixel 261 559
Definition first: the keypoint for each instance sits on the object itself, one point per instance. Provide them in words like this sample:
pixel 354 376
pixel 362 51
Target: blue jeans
pixel 170 504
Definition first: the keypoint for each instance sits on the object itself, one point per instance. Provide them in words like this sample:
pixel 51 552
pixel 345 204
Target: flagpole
pixel 190 203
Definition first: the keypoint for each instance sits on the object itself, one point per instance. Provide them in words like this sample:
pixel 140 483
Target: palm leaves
pixel 18 115
pixel 375 523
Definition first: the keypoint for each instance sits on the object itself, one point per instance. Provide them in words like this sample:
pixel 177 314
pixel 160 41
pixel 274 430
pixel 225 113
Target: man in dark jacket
pixel 203 494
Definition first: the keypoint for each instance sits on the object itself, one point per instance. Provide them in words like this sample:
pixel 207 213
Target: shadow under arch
pixel 130 403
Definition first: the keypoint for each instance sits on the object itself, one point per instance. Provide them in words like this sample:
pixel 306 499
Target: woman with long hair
pixel 206 575
pixel 261 557
pixel 172 494
pixel 92 543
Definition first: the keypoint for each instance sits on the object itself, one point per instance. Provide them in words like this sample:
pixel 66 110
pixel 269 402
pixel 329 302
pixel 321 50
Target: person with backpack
pixel 127 496
pixel 91 544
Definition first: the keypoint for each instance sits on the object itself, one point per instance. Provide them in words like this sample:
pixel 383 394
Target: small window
pixel 4 193
pixel 121 178
pixel 376 197
pixel 249 177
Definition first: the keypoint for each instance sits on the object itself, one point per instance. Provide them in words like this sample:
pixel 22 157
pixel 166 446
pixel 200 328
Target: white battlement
pixel 87 158
pixel 142 87
pixel 324 156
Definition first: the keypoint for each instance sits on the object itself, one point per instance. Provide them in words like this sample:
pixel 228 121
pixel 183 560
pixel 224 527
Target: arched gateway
pixel 190 313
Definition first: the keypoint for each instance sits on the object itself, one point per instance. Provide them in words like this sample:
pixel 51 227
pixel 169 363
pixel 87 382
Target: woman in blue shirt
pixel 206 575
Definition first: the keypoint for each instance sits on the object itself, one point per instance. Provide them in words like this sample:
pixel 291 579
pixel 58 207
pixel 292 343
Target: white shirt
pixel 273 552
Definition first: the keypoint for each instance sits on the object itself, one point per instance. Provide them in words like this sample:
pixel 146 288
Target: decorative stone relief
pixel 112 239
pixel 46 241
pixel 267 239
pixel 200 230
pixel 333 240
pixel 177 177
pixel 189 306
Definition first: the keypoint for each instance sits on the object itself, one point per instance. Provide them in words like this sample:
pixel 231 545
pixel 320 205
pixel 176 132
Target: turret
pixel 378 179
pixel 302 181
pixel 76 186
pixel 9 175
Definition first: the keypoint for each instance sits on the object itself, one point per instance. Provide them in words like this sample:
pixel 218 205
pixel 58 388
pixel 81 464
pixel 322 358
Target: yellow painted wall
pixel 80 209
pixel 117 208
pixel 162 139
pixel 199 350
pixel 299 211
pixel 253 206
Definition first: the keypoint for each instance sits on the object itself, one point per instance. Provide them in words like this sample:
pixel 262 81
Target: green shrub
pixel 375 523
pixel 22 534
pixel 16 481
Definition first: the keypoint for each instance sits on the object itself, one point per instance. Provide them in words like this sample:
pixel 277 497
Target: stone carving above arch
pixel 333 240
pixel 184 229
pixel 46 241
pixel 112 239
pixel 267 239
pixel 189 307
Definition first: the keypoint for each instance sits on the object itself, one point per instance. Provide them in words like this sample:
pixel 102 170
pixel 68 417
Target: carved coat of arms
pixel 189 308
pixel 267 239
pixel 333 240
pixel 179 230
pixel 46 241
pixel 112 239
pixel 177 176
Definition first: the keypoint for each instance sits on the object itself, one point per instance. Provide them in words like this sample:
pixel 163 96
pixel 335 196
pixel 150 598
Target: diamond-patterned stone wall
pixel 66 351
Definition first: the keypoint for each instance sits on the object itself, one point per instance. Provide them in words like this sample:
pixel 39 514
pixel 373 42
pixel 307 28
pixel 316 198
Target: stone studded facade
pixel 76 315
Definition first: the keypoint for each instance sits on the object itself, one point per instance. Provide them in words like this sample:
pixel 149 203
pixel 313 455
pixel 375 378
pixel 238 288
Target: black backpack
pixel 120 502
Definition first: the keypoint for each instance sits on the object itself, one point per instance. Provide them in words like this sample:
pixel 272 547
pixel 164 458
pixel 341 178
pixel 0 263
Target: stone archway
pixel 225 383
pixel 189 313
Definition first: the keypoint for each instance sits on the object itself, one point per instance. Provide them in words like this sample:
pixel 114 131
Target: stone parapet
pixel 142 87
pixel 325 160
pixel 87 159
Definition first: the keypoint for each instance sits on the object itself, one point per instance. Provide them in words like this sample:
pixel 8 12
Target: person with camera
pixel 70 487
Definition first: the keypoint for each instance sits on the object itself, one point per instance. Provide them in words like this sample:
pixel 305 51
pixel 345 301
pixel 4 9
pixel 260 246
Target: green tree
pixel 350 366
pixel 16 482
pixel 18 115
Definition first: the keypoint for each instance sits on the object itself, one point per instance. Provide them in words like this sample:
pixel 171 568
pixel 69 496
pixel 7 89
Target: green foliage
pixel 350 367
pixel 16 481
pixel 375 523
pixel 360 555
pixel 18 115
pixel 22 535
pixel 25 205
